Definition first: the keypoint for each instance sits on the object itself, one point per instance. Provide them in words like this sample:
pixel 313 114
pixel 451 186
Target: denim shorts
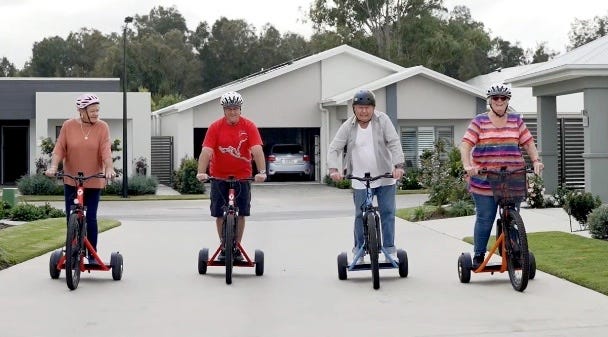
pixel 219 197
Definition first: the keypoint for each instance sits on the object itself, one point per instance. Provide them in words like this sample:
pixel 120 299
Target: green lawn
pixel 23 242
pixel 569 256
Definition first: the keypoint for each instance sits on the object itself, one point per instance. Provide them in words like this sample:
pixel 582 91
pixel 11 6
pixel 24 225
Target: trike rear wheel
pixel 518 257
pixel 403 266
pixel 342 265
pixel 73 243
pixel 117 266
pixel 464 267
pixel 53 264
pixel 259 262
pixel 203 257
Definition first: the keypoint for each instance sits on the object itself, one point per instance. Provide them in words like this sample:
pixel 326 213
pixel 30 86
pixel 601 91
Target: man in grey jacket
pixel 372 145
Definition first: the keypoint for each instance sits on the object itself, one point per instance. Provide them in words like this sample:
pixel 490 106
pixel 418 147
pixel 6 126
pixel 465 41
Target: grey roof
pixel 344 97
pixel 590 59
pixel 275 72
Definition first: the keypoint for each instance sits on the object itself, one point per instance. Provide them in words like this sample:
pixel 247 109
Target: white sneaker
pixel 393 256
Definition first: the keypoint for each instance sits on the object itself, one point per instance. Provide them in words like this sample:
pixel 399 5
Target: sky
pixel 25 22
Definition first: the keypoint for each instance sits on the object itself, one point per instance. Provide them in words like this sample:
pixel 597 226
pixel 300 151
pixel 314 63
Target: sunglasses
pixel 502 98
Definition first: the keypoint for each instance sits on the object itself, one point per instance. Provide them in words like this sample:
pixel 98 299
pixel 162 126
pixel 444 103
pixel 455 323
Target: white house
pixel 306 100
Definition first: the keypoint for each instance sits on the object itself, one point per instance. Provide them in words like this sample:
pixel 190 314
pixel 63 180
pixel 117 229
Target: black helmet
pixel 364 97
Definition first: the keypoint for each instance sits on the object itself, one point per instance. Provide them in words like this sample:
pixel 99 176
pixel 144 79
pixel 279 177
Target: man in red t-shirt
pixel 228 146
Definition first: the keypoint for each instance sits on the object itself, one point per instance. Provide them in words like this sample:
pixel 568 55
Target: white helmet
pixel 231 98
pixel 84 100
pixel 499 89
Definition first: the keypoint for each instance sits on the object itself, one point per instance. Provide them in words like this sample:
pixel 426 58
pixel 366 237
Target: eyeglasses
pixel 502 98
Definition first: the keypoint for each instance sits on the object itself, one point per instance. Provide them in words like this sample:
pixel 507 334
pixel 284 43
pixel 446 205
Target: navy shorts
pixel 219 197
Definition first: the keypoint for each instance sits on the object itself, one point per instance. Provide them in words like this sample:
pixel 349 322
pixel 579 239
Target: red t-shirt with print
pixel 231 146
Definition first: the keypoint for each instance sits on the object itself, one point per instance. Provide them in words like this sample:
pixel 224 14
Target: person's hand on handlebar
pixel 110 174
pixel 471 170
pixel 51 171
pixel 260 177
pixel 335 175
pixel 538 167
pixel 398 173
pixel 202 176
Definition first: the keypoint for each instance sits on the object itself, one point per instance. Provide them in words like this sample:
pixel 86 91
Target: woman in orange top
pixel 84 146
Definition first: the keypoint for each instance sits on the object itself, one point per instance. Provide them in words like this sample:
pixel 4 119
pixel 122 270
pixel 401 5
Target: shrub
pixel 29 212
pixel 39 184
pixel 420 214
pixel 138 185
pixel 461 208
pixel 4 209
pixel 558 199
pixel 443 178
pixel 342 184
pixel 579 204
pixel 185 181
pixel 536 189
pixel 410 180
pixel 598 223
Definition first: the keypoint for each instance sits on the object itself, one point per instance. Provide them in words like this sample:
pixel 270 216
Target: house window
pixel 415 140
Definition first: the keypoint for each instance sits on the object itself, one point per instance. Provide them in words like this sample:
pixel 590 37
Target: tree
pixel 504 54
pixel 227 52
pixel 585 31
pixel 7 69
pixel 161 20
pixel 541 53
pixel 379 19
pixel 49 58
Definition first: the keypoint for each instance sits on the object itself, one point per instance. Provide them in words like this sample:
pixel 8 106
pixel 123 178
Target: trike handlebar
pixel 80 177
pixel 369 178
pixel 504 172
pixel 230 179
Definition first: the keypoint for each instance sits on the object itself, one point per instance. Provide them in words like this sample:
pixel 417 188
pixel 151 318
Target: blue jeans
pixel 91 201
pixel 385 195
pixel 485 208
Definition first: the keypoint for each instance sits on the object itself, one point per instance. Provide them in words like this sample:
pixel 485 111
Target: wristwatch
pixel 262 172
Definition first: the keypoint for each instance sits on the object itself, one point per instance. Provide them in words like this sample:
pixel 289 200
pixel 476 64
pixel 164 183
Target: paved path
pixel 301 230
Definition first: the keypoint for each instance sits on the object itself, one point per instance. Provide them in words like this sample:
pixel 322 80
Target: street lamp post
pixel 125 179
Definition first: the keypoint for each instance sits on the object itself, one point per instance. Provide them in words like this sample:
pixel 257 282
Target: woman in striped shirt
pixel 493 140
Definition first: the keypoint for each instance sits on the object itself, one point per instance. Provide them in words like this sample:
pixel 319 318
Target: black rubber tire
pixel 518 257
pixel 465 264
pixel 117 266
pixel 342 265
pixel 532 266
pixel 203 257
pixel 229 227
pixel 373 248
pixel 259 262
pixel 403 265
pixel 73 244
pixel 54 260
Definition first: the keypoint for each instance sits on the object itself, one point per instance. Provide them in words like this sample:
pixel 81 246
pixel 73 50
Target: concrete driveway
pixel 301 229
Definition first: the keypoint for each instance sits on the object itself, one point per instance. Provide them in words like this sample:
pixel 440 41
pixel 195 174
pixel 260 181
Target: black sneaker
pixel 92 260
pixel 238 256
pixel 222 256
pixel 477 261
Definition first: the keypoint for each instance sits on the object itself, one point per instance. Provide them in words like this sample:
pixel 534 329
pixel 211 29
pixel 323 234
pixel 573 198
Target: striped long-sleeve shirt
pixel 495 147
